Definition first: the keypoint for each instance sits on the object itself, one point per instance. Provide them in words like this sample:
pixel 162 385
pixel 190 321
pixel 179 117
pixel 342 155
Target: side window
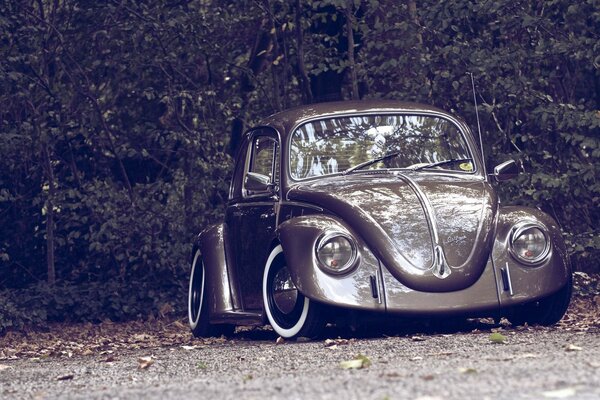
pixel 263 156
pixel 263 169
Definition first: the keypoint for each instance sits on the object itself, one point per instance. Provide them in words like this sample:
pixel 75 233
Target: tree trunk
pixel 412 11
pixel 306 91
pixel 276 59
pixel 350 34
pixel 50 224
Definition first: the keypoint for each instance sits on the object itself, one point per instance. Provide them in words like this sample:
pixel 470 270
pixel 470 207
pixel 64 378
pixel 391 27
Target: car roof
pixel 286 120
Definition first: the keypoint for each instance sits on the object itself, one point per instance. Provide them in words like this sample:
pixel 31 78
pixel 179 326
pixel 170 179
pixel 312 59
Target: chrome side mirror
pixel 505 171
pixel 259 184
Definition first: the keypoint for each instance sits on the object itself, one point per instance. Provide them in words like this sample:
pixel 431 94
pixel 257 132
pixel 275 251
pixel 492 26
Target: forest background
pixel 116 118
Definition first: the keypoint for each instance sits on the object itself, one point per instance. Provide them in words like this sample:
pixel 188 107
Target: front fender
pixel 298 237
pixel 211 243
pixel 528 282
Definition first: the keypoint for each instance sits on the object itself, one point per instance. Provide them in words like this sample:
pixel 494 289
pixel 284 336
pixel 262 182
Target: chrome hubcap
pixel 285 293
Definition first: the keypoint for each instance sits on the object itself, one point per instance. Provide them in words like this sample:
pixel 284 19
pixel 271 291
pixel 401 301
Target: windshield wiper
pixel 371 162
pixel 443 162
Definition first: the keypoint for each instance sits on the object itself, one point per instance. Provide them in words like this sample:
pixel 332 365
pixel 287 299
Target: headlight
pixel 336 253
pixel 529 243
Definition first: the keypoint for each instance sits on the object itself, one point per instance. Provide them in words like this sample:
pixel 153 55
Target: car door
pixel 251 218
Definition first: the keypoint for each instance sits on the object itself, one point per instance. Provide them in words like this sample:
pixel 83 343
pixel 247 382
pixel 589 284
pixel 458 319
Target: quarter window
pixel 264 152
pixel 263 168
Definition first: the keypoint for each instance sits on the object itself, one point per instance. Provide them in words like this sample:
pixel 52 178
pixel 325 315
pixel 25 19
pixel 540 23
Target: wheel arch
pixel 529 282
pixel 298 237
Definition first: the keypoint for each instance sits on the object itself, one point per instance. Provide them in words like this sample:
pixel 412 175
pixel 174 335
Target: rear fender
pixel 211 243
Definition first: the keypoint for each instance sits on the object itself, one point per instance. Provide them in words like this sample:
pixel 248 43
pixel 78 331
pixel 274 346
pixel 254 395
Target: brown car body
pixel 427 241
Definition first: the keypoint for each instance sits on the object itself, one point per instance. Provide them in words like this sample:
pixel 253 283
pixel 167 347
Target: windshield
pixel 340 144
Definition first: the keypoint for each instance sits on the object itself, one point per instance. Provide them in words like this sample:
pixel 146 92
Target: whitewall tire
pixel 290 313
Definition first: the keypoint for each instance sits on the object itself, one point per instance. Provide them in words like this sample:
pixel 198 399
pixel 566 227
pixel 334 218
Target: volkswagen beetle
pixel 375 206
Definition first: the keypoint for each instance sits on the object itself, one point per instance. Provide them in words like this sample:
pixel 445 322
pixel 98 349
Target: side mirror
pixel 258 183
pixel 505 171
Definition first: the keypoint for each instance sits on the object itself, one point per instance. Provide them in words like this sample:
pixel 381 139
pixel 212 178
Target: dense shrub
pixel 115 121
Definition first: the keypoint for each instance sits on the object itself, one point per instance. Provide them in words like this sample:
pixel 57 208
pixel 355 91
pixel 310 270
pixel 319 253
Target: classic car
pixel 382 207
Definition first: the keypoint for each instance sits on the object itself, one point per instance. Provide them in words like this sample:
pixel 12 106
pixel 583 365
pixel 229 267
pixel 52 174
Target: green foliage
pixel 90 302
pixel 115 120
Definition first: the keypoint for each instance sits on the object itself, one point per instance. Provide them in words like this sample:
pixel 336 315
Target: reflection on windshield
pixel 333 145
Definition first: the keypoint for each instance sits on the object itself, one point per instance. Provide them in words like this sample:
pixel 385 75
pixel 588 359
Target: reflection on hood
pixel 438 226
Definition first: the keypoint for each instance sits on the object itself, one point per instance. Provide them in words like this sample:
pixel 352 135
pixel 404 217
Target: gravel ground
pixel 531 364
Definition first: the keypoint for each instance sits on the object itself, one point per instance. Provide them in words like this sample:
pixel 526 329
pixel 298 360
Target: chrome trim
pixel 378 281
pixel 439 267
pixel 499 167
pixel 350 265
pixel 288 202
pixel 509 280
pixel 517 230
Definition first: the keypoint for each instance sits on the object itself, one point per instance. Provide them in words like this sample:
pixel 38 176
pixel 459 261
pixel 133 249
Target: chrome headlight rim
pixel 517 230
pixel 349 265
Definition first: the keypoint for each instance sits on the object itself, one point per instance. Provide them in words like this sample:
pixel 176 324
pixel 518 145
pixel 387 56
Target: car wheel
pixel 290 313
pixel 546 311
pixel 198 304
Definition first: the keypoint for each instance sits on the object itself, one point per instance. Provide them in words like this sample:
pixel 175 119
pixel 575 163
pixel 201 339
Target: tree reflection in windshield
pixel 332 145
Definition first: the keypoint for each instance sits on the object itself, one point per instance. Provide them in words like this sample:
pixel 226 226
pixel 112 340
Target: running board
pixel 238 318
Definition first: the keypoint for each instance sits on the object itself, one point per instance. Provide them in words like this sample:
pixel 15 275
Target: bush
pixel 92 302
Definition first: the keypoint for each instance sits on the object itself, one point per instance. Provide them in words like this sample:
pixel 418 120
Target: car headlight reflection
pixel 336 253
pixel 529 243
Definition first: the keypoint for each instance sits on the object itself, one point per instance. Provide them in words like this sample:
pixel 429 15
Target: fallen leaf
pixel 3 367
pixel 145 362
pixel 427 377
pixel 497 337
pixel 572 347
pixel 189 347
pixel 65 377
pixel 332 347
pixel 594 364
pixel 334 342
pixel 180 325
pixel 360 361
pixel 280 340
pixel 528 355
pixel 418 339
pixel 560 393
pixel 467 370
pixel 202 365
pixel 417 358
pixel 141 337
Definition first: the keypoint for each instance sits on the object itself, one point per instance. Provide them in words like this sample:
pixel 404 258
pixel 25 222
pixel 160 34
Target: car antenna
pixel 478 124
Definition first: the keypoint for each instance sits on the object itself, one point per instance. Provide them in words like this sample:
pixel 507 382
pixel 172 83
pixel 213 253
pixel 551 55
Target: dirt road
pixel 529 364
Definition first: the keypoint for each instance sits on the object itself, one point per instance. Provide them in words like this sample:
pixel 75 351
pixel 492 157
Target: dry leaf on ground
pixel 145 362
pixel 360 361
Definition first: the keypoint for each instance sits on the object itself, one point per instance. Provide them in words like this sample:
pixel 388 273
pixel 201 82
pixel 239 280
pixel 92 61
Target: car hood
pixel 432 232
